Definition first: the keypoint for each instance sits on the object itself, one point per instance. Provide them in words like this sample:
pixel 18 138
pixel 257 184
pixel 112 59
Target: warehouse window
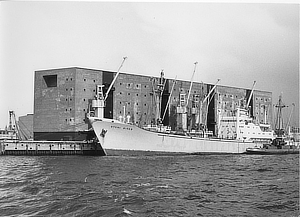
pixel 51 80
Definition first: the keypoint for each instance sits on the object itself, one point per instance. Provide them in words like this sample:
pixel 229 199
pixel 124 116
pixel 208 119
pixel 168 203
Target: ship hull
pixel 263 151
pixel 116 137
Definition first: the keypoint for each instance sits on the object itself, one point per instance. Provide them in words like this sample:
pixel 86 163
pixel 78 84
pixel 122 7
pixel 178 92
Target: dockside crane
pixel 202 103
pixel 99 102
pixel 182 108
pixel 250 97
pixel 13 125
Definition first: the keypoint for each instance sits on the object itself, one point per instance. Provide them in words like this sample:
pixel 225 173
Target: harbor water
pixel 202 185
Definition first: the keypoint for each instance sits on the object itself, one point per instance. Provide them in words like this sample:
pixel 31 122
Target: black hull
pixel 272 152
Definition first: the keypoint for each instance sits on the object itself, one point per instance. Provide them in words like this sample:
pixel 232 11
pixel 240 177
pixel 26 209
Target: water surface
pixel 208 185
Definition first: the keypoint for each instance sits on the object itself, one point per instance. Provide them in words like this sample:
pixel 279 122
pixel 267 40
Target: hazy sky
pixel 236 42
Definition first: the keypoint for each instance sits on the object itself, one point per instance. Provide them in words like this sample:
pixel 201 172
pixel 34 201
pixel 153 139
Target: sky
pixel 236 42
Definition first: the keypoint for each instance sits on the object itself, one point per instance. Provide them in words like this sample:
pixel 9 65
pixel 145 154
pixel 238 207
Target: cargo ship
pixel 120 136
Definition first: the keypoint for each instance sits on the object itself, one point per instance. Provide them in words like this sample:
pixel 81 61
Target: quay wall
pixel 9 147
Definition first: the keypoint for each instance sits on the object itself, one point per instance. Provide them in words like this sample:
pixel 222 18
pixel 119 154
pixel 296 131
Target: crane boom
pixel 114 80
pixel 169 98
pixel 251 94
pixel 211 91
pixel 192 79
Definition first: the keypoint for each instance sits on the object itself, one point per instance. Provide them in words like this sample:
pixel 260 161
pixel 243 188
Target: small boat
pixel 277 146
pixel 283 143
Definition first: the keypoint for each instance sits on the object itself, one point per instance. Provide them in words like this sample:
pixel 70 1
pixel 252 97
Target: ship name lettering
pixel 115 127
pixel 127 128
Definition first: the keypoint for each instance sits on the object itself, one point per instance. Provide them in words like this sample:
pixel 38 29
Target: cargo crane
pixel 13 125
pixel 182 109
pixel 98 104
pixel 203 123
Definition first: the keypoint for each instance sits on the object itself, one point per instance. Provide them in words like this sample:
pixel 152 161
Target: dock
pixel 36 148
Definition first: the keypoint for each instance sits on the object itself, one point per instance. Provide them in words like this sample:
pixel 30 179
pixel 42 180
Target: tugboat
pixel 282 143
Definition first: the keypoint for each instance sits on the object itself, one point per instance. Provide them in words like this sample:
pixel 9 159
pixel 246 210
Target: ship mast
pixel 279 122
pixel 158 96
pixel 99 102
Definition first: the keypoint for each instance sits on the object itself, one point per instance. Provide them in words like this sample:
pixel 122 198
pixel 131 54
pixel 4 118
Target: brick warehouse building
pixel 62 99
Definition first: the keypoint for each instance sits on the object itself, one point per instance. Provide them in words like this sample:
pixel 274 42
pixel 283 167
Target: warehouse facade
pixel 62 102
